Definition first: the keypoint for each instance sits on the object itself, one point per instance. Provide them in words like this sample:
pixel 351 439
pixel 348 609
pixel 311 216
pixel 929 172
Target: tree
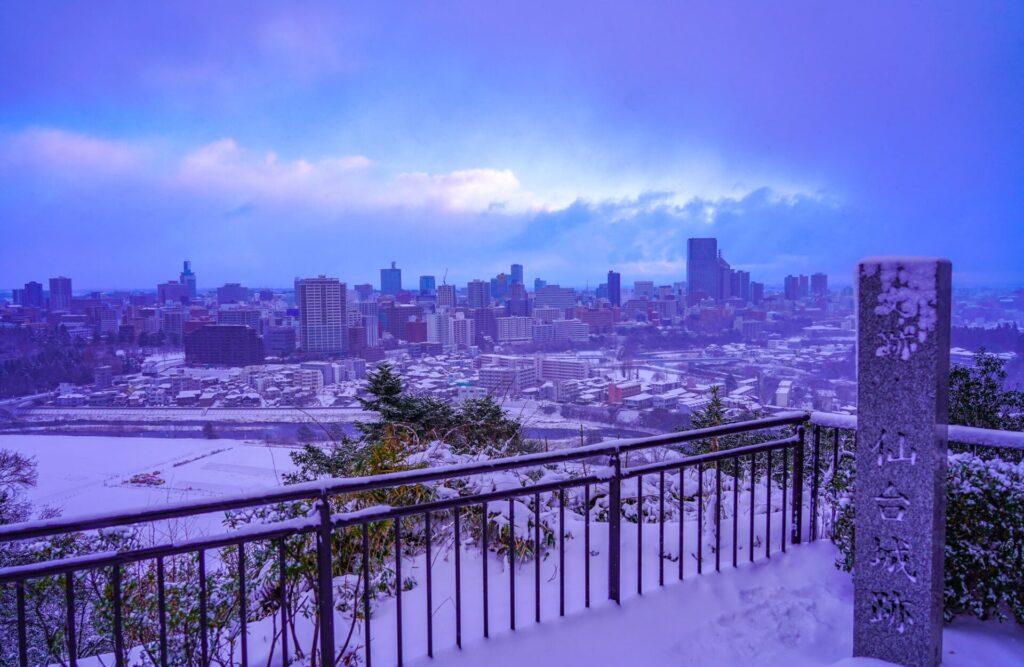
pixel 977 396
pixel 208 431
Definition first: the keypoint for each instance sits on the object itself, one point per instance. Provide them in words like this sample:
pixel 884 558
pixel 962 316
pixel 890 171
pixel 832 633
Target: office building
pixel 279 341
pixel 702 269
pixel 446 296
pixel 391 280
pixel 233 293
pixel 819 284
pixel 188 279
pixel 805 286
pixel 791 288
pixel 223 345
pixel 322 315
pixel 538 284
pixel 553 296
pixel 171 292
pixel 477 291
pixel 517 274
pixel 32 296
pixel 615 288
pixel 643 289
pixel 60 294
pixel 428 286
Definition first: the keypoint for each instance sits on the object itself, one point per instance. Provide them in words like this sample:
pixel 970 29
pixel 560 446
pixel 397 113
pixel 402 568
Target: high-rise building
pixel 322 315
pixel 60 294
pixel 446 296
pixel 740 288
pixel 615 288
pixel 478 294
pixel 553 296
pixel 702 269
pixel 427 286
pixel 518 303
pixel 499 286
pixel 819 284
pixel 233 293
pixel 756 293
pixel 805 286
pixel 364 291
pixel 538 284
pixel 791 288
pixel 188 279
pixel 517 274
pixel 463 331
pixel 171 292
pixel 33 295
pixel 391 280
pixel 643 289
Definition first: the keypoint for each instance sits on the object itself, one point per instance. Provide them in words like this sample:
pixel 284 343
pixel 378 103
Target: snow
pixel 90 474
pixel 967 435
pixel 908 289
pixel 795 610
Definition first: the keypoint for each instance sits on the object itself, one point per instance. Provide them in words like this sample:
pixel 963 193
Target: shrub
pixel 984 573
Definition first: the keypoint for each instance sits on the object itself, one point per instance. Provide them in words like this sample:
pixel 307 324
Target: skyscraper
pixel 517 274
pixel 391 280
pixel 615 288
pixel 702 269
pixel 446 296
pixel 188 279
pixel 791 288
pixel 819 284
pixel 60 294
pixel 478 294
pixel 33 295
pixel 322 322
pixel 427 285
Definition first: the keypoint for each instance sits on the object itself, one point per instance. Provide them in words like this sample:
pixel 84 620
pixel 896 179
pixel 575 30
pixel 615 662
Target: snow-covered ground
pixel 88 474
pixel 795 610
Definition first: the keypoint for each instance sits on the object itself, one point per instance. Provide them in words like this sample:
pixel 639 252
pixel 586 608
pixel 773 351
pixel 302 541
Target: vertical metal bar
pixel 735 507
pixel 536 557
pixel 398 587
pixel 485 556
pixel 69 596
pixel 430 588
pixel 798 487
pixel 753 485
pixel 814 482
pixel 161 600
pixel 282 572
pixel 512 563
pixel 586 546
pixel 22 630
pixel 119 656
pixel 243 598
pixel 561 552
pixel 639 534
pixel 718 516
pixel 325 583
pixel 768 507
pixel 203 634
pixel 458 580
pixel 614 528
pixel 700 518
pixel 682 521
pixel 785 485
pixel 661 528
pixel 366 596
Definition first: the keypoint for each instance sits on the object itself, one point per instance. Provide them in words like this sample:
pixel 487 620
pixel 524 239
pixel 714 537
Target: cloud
pixel 61 152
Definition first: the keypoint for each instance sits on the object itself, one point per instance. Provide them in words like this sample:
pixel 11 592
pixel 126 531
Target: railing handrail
pixel 967 435
pixel 336 486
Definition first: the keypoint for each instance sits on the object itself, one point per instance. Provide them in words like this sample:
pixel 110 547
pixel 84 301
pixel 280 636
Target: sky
pixel 266 141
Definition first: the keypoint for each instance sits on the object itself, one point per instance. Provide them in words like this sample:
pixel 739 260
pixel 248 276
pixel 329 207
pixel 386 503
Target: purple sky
pixel 266 141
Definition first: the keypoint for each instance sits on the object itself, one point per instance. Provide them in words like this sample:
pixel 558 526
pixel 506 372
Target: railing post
pixel 325 583
pixel 614 528
pixel 798 487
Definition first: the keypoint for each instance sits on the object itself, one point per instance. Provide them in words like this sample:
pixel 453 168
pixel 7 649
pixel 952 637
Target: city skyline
pixel 280 141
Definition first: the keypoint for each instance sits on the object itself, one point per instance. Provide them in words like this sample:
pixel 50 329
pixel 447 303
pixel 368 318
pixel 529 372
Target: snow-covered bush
pixel 984 573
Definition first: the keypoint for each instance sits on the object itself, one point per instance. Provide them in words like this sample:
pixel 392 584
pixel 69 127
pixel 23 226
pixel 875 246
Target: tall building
pixel 60 294
pixel 188 279
pixel 499 286
pixel 702 269
pixel 446 296
pixel 643 289
pixel 33 295
pixel 391 280
pixel 322 315
pixel 478 294
pixel 615 288
pixel 538 284
pixel 553 296
pixel 171 292
pixel 756 293
pixel 233 293
pixel 819 284
pixel 805 286
pixel 517 274
pixel 428 286
pixel 791 288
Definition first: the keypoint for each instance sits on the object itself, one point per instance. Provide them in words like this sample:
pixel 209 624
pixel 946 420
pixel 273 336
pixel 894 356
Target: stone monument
pixel 900 497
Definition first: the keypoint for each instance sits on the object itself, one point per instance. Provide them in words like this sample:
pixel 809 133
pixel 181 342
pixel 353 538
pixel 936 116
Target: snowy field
pixel 87 474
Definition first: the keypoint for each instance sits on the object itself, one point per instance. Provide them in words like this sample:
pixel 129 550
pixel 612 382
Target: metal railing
pixel 777 464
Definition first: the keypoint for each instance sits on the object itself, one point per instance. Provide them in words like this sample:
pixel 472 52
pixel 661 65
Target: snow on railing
pixel 967 435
